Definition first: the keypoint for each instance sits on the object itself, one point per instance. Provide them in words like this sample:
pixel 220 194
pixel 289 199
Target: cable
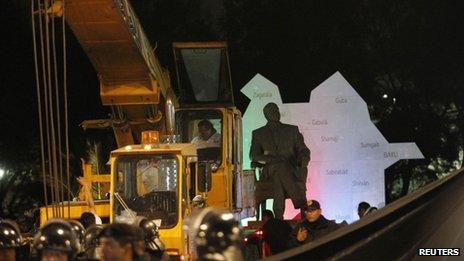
pixel 39 105
pixel 65 89
pixel 58 118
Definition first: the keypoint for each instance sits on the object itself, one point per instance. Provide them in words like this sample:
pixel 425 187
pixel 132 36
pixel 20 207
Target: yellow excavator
pixel 157 170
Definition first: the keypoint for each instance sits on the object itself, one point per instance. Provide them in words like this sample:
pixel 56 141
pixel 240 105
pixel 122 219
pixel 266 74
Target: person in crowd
pixel 215 236
pixel 10 240
pixel 121 242
pixel 299 215
pixel 208 136
pixel 314 226
pixel 78 229
pixel 87 219
pixel 362 208
pixel 198 203
pixel 56 241
pixel 90 245
pixel 281 148
pixel 154 247
pixel 276 233
pixel 370 210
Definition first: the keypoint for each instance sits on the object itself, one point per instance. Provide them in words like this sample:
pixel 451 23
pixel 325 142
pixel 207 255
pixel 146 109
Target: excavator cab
pixel 206 97
pixel 203 74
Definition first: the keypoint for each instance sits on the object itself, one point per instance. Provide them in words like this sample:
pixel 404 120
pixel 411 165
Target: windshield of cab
pixel 148 185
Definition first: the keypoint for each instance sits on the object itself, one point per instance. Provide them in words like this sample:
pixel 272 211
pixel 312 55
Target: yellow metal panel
pixel 76 209
pixel 102 178
pixel 103 33
pixel 113 39
pixel 136 92
pixel 186 149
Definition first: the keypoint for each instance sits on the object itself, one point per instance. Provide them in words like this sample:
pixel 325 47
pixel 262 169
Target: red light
pixel 259 232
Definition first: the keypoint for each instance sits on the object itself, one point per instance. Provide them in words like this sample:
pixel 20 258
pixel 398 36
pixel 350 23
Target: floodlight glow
pixel 2 172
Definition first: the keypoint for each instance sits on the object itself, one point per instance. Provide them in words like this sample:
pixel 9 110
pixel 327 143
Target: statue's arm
pixel 302 151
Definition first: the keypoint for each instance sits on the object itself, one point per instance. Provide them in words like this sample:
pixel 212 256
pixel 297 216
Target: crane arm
pixel 112 37
pixel 132 81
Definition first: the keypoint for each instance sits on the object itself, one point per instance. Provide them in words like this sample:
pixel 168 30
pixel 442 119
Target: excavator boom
pixel 113 39
pixel 132 80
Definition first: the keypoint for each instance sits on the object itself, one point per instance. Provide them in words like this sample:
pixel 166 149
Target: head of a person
pixel 271 112
pixel 56 241
pixel 205 129
pixel 370 210
pixel 267 215
pixel 216 234
pixel 10 239
pixel 362 208
pixel 313 210
pixel 198 202
pixel 91 242
pixel 78 229
pixel 150 233
pixel 120 242
pixel 87 219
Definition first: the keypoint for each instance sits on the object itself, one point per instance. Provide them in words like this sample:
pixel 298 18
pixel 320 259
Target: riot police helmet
pixel 10 236
pixel 78 229
pixel 91 237
pixel 150 234
pixel 90 245
pixel 217 236
pixel 57 235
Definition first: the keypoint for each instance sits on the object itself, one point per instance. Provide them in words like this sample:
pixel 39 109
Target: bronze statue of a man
pixel 281 148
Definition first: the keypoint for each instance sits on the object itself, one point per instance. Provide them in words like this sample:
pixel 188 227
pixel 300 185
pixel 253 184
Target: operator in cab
pixel 208 136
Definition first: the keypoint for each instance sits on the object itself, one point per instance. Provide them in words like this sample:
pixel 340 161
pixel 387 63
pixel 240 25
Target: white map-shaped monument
pixel 349 155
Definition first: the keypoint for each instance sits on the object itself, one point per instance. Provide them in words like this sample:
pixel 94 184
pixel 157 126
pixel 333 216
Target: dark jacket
pixel 277 234
pixel 316 229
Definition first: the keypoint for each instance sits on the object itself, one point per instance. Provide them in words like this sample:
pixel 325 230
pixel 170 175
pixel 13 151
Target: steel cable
pixel 39 105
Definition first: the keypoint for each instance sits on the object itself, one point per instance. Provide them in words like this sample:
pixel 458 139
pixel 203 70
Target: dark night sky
pixel 19 128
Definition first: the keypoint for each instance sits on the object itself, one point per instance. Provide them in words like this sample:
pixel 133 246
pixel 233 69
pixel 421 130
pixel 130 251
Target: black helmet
pixel 58 235
pixel 91 236
pixel 10 235
pixel 150 235
pixel 91 241
pixel 216 236
pixel 78 229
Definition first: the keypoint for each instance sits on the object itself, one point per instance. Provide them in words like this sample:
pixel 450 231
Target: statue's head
pixel 271 112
